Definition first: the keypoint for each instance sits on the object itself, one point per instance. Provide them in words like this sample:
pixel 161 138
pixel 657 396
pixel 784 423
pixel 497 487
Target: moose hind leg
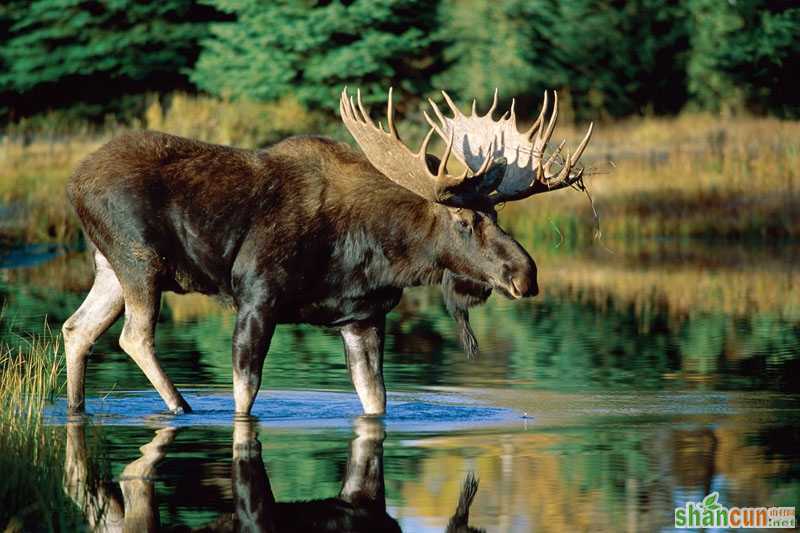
pixel 97 313
pixel 363 346
pixel 138 341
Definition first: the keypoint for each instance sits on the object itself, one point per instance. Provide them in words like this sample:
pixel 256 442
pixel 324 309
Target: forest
pixel 657 365
pixel 76 60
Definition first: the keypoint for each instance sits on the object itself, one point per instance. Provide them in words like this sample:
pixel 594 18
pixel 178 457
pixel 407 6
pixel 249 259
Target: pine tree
pixel 746 54
pixel 611 57
pixel 60 52
pixel 312 49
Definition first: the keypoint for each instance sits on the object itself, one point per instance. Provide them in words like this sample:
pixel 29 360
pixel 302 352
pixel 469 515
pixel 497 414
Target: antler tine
pixel 474 105
pixel 512 114
pixel 451 105
pixel 494 104
pixel 343 103
pixel 437 111
pixel 489 159
pixel 582 146
pixel 423 148
pixel 563 174
pixel 552 124
pixel 446 156
pixel 364 112
pixel 534 129
pixel 390 116
pixel 430 122
pixel 554 155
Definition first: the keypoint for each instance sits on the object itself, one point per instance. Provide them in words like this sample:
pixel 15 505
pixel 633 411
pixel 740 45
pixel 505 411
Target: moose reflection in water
pixel 359 506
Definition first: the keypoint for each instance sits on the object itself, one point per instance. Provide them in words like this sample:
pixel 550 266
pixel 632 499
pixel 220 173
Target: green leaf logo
pixel 710 501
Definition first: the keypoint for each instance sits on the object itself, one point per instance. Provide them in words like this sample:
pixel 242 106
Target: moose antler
pixel 480 138
pixel 396 161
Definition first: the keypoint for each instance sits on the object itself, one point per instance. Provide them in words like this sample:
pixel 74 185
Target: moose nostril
pixel 526 285
pixel 533 290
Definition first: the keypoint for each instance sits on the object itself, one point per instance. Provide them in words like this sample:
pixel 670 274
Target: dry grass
pixel 239 123
pixel 693 175
pixel 188 307
pixel 34 167
pixel 33 178
pixel 681 285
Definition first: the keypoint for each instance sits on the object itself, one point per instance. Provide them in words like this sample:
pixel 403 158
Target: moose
pixel 307 230
pixel 360 504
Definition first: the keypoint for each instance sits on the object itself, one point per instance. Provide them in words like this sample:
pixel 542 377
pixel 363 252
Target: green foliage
pixel 312 49
pixel 610 57
pixel 607 58
pixel 75 52
pixel 746 54
pixel 32 496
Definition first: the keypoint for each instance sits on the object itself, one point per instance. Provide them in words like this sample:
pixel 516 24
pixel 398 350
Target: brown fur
pixel 303 231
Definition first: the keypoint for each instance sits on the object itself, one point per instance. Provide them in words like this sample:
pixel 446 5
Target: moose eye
pixel 464 225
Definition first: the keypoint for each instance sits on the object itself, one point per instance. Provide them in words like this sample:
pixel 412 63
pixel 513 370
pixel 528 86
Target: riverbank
pixel 689 176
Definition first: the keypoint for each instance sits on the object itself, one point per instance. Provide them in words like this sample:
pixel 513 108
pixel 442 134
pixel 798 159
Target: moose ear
pixel 493 176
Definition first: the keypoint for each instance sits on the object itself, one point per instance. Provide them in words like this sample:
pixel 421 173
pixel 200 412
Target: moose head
pixel 500 165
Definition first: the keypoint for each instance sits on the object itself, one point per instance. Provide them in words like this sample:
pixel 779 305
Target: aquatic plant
pixel 31 453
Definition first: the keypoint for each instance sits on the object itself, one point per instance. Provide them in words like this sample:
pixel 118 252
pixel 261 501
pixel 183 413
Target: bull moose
pixel 307 230
pixel 360 504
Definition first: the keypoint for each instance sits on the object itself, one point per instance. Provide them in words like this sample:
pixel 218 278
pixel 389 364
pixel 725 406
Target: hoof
pixel 76 409
pixel 181 409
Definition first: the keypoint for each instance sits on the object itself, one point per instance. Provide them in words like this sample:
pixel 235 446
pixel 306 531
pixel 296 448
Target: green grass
pixel 32 496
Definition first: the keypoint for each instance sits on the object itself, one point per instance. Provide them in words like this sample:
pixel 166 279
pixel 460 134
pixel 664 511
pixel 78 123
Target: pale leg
pixel 138 341
pixel 97 313
pixel 363 346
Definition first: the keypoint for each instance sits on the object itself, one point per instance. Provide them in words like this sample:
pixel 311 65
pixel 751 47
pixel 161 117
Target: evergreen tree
pixel 746 53
pixel 611 56
pixel 312 49
pixel 61 52
pixel 488 49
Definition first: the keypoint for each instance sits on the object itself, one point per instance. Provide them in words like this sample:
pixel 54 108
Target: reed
pixel 32 496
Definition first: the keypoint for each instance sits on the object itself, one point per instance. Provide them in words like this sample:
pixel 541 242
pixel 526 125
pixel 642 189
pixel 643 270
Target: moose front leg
pixel 254 502
pixel 254 329
pixel 363 483
pixel 363 346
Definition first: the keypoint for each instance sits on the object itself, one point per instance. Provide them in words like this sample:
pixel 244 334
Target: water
pixel 638 381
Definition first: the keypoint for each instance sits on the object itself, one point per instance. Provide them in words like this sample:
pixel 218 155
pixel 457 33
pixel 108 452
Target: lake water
pixel 641 379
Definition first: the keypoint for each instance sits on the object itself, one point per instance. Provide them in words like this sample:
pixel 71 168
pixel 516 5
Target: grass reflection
pixel 669 316
pixel 595 473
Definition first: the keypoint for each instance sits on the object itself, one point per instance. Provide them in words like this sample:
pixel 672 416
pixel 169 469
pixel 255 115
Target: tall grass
pixel 689 176
pixel 36 160
pixel 32 496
